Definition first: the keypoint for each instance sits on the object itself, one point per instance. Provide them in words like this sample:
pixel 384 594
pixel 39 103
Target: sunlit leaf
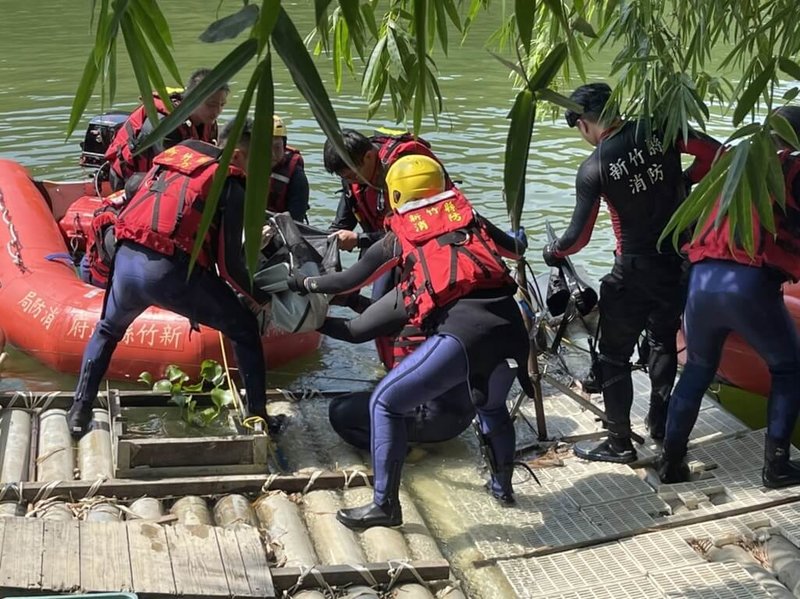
pixel 549 95
pixel 525 13
pixel 734 176
pixel 258 167
pixel 549 67
pixel 231 26
pixel 775 179
pixel 164 386
pixel 270 9
pixel 518 144
pixel 748 129
pixel 146 378
pixel 785 130
pixel 750 96
pixel 757 165
pixel 219 76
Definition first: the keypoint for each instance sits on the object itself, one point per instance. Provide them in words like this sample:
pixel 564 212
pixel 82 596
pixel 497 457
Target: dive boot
pixel 672 470
pixel 656 420
pixel 500 486
pixel 778 470
pixel 79 419
pixel 371 514
pixel 616 448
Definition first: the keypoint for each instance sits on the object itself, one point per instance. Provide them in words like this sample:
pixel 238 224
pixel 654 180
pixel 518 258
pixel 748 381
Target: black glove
pixel 548 254
pixel 297 283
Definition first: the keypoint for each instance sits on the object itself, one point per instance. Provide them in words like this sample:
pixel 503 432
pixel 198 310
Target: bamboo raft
pixel 590 530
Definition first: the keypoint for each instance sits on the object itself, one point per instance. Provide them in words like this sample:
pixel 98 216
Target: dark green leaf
pixel 441 24
pixel 158 19
pixel 420 10
pixel 549 67
pixel 210 208
pixel 289 46
pixel 369 18
pixel 373 71
pixel 557 9
pixel 219 76
pixel 791 94
pixel 355 27
pixel 452 12
pixel 158 39
pixel 83 94
pixel 582 25
pixel 789 67
pixel 757 165
pixel 525 14
pixel 396 68
pixel 782 127
pixel 152 68
pixel 549 95
pixel 229 27
pixel 775 179
pixel 518 143
pixel 748 129
pixel 258 173
pixel 750 96
pixel 139 64
pixel 270 9
pixel 513 67
pixel 732 180
pixel 222 398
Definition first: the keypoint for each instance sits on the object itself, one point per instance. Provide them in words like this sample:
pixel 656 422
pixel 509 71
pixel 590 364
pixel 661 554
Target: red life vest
pixel 280 177
pixel 781 252
pixel 104 217
pixel 120 152
pixel 447 254
pixel 392 350
pixel 368 204
pixel 165 213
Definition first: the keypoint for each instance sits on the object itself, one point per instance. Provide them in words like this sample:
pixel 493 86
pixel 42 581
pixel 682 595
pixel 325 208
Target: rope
pixel 349 475
pixel 394 572
pixel 318 578
pixel 234 391
pixel 365 574
pixel 13 246
pixel 268 483
pixel 44 493
pixel 312 479
pixel 101 478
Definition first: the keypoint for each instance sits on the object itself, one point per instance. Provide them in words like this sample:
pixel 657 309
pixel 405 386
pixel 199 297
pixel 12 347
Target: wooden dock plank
pixel 196 561
pixel 105 562
pixel 61 565
pixel 151 568
pixel 21 561
pixel 254 557
pixel 233 564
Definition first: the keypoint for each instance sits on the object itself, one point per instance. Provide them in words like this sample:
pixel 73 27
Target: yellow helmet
pixel 413 177
pixel 278 128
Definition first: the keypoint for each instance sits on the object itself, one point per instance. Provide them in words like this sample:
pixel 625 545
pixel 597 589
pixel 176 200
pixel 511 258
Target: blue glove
pixel 549 255
pixel 519 236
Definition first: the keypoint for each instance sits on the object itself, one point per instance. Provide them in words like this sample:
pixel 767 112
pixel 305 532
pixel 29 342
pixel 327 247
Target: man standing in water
pixel 643 184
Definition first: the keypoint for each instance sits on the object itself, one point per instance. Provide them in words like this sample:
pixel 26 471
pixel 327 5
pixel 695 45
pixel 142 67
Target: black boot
pixel 372 514
pixel 500 486
pixel 617 448
pixel 673 469
pixel 656 420
pixel 778 470
pixel 79 419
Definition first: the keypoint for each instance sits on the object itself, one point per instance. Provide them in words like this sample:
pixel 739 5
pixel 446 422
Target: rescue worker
pixel 463 308
pixel 642 183
pixel 288 191
pixel 201 125
pixel 731 291
pixel 156 233
pixel 362 201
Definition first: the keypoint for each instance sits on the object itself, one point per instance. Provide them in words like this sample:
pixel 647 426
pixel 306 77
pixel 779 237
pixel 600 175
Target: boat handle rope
pixel 349 476
pixel 394 572
pixel 268 483
pixel 10 487
pixel 311 480
pixel 365 574
pixel 318 578
pixel 13 246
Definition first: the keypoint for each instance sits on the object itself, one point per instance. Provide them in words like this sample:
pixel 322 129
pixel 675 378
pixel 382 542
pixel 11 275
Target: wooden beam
pixel 288 578
pixel 197 485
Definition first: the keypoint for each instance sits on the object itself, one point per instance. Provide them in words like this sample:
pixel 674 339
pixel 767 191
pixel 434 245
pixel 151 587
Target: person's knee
pixel 349 417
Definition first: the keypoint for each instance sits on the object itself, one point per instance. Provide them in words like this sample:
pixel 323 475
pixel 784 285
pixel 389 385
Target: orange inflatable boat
pixel 49 313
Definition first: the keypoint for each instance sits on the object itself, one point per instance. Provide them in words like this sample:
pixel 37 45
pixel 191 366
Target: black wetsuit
pixel 642 185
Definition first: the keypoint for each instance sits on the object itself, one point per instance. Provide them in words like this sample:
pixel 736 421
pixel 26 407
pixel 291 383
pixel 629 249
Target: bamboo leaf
pixel 775 179
pixel 158 39
pixel 557 9
pixel 548 95
pixel 748 129
pixel 372 70
pixel 158 19
pixel 229 27
pixel 789 67
pixel 441 24
pixel 112 71
pixel 549 67
pixel 755 89
pixel 757 165
pixel 583 26
pixel 782 127
pixel 83 94
pixel 732 180
pixel 513 67
pixel 420 14
pixel 518 143
pixel 352 16
pixel 452 12
pixel 268 15
pixel 212 201
pixel 219 76
pixel 396 68
pixel 289 46
pixel 369 18
pixel 140 70
pixel 152 68
pixel 791 94
pixel 258 171
pixel 525 13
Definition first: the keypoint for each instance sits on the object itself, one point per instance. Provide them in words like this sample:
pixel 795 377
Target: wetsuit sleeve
pixel 297 195
pixel 377 260
pixel 587 204
pixel 704 148
pixel 387 316
pixel 230 254
pixel 510 247
pixel 345 217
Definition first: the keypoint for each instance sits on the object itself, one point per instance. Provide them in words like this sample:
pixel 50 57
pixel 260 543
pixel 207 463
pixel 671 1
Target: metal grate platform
pixel 660 551
pixel 628 514
pixel 635 588
pixel 710 581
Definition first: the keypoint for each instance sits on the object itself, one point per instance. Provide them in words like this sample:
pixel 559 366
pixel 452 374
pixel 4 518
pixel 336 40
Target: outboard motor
pixel 99 135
